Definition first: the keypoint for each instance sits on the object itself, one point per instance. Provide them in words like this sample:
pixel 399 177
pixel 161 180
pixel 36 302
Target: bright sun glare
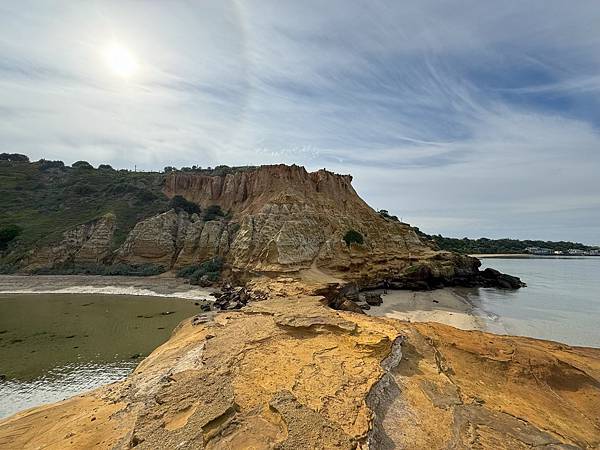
pixel 120 60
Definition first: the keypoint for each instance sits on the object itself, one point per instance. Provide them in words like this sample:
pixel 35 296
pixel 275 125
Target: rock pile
pixel 231 298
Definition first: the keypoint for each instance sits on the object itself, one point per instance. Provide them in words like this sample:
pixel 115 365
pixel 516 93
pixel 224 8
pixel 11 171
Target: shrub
pixel 178 203
pixel 47 165
pixel 7 234
pixel 213 212
pixel 82 165
pixel 140 270
pixel 211 268
pixel 14 157
pixel 353 237
pixel 386 215
pixel 84 189
pixel 122 188
pixel 105 167
pixel 146 196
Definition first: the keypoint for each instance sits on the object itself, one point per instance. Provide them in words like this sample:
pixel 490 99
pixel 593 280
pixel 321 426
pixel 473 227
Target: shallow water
pixel 53 346
pixel 561 301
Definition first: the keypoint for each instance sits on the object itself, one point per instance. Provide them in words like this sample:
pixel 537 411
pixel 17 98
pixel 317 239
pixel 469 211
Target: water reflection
pixel 53 346
pixel 59 383
pixel 561 301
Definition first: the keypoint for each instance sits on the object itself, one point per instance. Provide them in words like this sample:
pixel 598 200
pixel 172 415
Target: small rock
pixel 373 298
pixel 199 319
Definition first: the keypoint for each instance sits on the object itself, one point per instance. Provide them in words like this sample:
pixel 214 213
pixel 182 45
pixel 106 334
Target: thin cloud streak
pixel 464 119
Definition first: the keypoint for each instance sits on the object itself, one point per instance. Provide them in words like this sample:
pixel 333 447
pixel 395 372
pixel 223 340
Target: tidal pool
pixel 53 346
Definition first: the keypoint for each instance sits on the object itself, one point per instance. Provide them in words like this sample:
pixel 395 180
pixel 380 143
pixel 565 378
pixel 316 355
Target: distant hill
pixel 491 246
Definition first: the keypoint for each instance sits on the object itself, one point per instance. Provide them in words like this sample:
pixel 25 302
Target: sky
pixel 464 118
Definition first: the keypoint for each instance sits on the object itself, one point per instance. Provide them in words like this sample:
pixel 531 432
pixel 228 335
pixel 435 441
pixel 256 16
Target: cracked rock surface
pixel 292 373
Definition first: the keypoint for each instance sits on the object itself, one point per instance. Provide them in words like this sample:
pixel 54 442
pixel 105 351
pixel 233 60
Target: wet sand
pixel 155 286
pixel 445 306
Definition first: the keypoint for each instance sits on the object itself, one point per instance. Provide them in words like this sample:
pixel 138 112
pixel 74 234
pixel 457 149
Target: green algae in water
pixel 53 346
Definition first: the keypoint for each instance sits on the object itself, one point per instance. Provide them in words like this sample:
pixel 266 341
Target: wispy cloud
pixel 462 117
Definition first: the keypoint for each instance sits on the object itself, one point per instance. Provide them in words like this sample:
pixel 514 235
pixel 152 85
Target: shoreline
pixel 154 286
pixel 446 306
pixel 527 256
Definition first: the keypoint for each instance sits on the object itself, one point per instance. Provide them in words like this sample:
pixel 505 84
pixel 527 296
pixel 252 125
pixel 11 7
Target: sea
pixel 560 303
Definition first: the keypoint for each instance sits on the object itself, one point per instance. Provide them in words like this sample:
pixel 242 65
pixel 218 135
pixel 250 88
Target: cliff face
pixel 290 219
pixel 86 243
pixel 291 373
pixel 174 240
pixel 278 219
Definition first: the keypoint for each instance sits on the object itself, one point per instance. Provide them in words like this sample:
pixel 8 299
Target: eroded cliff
pixel 274 219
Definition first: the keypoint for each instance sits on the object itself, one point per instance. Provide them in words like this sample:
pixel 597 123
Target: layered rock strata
pixel 278 219
pixel 86 243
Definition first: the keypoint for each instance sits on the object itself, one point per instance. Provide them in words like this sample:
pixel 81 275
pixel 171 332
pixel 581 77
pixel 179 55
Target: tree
pixel 213 212
pixel 14 157
pixel 105 167
pixel 47 165
pixel 178 203
pixel 7 234
pixel 82 165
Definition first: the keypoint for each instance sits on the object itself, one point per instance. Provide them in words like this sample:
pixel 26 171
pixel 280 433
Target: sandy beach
pixel 445 306
pixel 156 286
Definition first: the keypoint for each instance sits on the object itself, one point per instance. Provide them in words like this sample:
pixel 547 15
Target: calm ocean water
pixel 561 301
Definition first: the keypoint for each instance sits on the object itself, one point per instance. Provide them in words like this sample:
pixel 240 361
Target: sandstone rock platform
pixel 290 372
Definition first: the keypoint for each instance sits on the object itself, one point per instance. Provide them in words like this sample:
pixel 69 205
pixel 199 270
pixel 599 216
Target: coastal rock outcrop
pixel 293 373
pixel 175 239
pixel 86 243
pixel 274 219
pixel 290 220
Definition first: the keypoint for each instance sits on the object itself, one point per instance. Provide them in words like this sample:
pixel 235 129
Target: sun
pixel 120 60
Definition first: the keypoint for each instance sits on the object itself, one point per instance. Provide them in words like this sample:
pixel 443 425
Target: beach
pixel 154 286
pixel 445 306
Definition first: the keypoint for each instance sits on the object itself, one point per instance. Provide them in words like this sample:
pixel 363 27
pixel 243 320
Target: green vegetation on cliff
pixel 353 237
pixel 46 198
pixel 210 269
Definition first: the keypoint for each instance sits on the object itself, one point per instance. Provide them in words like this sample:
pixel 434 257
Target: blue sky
pixel 465 118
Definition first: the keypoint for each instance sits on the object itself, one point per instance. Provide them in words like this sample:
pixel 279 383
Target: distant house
pixel 538 251
pixel 576 252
